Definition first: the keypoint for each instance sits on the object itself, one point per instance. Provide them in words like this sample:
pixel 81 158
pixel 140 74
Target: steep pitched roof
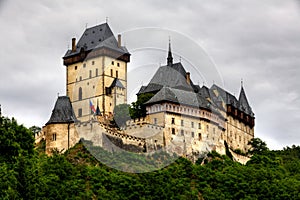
pixel 241 104
pixel 62 112
pixel 96 37
pixel 117 83
pixel 173 76
pixel 204 92
pixel 141 89
pixel 244 105
pixel 226 96
pixel 190 98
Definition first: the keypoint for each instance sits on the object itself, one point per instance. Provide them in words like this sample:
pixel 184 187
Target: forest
pixel 27 173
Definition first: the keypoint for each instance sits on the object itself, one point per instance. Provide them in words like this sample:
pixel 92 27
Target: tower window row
pixel 182 123
pixel 113 63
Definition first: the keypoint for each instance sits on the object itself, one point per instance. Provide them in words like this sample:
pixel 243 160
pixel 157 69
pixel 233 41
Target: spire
pixel 170 58
pixel 243 99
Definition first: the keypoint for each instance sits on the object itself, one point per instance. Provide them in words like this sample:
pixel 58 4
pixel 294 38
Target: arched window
pixel 80 94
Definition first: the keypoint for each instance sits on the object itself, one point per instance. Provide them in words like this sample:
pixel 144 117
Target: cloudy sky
pixel 255 40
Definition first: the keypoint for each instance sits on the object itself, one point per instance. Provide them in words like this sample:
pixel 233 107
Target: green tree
pixel 121 114
pixel 138 108
pixel 15 140
pixel 257 146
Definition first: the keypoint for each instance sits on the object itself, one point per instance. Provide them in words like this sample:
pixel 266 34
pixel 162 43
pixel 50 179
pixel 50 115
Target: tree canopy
pixel 138 108
pixel 76 174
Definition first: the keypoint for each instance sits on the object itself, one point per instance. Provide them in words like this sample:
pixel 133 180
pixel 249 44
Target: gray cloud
pixel 254 40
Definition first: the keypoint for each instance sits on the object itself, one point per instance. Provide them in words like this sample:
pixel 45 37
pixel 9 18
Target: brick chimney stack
pixel 188 78
pixel 119 40
pixel 73 44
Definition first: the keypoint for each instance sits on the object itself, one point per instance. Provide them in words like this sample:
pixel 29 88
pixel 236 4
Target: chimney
pixel 119 40
pixel 73 44
pixel 188 78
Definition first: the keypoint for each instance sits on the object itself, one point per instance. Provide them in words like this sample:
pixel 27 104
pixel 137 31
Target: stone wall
pixel 60 137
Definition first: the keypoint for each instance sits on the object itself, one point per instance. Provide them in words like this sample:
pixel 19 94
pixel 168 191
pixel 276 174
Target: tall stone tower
pixel 96 72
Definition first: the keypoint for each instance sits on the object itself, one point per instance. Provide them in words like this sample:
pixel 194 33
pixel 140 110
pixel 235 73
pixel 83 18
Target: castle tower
pixel 96 68
pixel 60 132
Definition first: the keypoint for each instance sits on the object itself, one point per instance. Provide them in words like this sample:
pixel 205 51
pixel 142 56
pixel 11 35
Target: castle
pixel 182 117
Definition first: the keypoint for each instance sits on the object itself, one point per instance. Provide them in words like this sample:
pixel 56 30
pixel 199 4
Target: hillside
pixel 26 173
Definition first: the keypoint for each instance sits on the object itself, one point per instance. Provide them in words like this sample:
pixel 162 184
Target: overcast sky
pixel 256 40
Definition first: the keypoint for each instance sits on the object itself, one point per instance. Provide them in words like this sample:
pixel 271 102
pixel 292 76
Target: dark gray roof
pixel 62 112
pixel 173 76
pixel 97 37
pixel 226 96
pixel 204 92
pixel 244 105
pixel 117 83
pixel 190 98
pixel 241 104
pixel 141 89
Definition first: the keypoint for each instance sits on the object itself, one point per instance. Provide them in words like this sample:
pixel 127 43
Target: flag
pixel 92 107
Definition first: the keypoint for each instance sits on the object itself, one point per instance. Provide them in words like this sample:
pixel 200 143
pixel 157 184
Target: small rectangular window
pixel 80 112
pixel 182 133
pixel 112 62
pixel 192 124
pixel 199 135
pixel 90 73
pixel 96 72
pixel 182 122
pixel 118 64
pixel 193 134
pixel 155 120
pixel 173 120
pixel 93 62
pixel 117 74
pixel 199 125
pixel 84 65
pixel 111 72
pixel 173 131
pixel 75 67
